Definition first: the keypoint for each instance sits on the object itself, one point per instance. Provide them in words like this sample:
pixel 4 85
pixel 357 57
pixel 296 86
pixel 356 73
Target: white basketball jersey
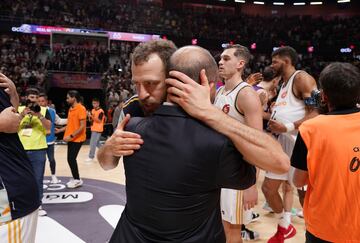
pixel 226 101
pixel 231 200
pixel 287 107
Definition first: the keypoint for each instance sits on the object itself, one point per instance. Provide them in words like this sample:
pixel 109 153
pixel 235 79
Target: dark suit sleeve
pixel 234 172
pixel 133 124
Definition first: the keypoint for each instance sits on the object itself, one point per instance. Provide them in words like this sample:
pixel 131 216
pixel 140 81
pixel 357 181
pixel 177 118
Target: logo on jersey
pixel 226 108
pixel 282 103
pixel 355 162
pixel 283 95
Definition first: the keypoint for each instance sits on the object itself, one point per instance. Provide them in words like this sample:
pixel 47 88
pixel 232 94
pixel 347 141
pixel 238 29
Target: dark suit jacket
pixel 173 182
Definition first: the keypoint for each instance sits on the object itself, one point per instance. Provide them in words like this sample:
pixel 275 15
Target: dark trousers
pixel 72 153
pixel 310 238
pixel 51 157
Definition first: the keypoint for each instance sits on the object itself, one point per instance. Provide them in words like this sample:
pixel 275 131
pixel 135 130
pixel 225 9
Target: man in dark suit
pixel 173 182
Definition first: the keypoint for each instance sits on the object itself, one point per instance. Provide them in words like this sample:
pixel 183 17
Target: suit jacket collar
pixel 167 110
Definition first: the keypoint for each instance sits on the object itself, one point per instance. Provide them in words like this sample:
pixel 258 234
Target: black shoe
pixel 247 234
pixel 254 217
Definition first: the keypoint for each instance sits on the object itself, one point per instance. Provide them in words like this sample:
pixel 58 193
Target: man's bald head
pixel 190 60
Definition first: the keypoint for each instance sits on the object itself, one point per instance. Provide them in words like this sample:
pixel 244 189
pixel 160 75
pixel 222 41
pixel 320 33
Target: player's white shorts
pixel 231 203
pixel 20 230
pixel 287 142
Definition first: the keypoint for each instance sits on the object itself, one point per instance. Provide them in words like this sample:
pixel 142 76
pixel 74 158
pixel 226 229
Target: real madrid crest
pixel 226 108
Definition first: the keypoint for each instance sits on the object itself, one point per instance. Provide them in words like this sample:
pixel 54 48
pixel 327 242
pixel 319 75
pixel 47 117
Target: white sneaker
pixel 42 212
pixel 73 183
pixel 89 160
pixel 54 179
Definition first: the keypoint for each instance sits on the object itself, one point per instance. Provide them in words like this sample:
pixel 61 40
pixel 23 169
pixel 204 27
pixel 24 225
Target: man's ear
pixel 287 61
pixel 241 64
pixel 212 86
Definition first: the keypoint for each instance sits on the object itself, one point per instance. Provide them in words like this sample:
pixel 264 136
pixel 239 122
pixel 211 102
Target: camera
pixel 33 106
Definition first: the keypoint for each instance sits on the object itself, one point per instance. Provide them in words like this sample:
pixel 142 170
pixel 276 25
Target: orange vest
pixel 75 115
pixel 332 201
pixel 97 124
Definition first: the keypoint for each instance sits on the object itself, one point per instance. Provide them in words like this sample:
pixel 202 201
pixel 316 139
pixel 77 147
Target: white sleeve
pixel 60 121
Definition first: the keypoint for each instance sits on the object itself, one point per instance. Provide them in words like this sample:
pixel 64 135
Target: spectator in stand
pixel 113 98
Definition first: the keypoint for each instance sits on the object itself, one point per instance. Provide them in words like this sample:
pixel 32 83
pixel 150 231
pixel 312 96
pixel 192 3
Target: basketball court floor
pixel 90 213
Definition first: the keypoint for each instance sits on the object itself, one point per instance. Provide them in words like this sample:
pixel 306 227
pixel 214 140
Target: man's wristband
pixel 289 126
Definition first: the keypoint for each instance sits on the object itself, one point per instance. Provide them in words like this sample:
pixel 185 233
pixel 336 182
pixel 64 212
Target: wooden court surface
pixel 266 225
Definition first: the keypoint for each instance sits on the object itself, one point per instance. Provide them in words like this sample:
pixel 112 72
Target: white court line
pixel 111 213
pixel 49 230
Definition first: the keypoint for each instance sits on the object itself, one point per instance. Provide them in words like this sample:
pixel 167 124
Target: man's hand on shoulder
pixel 121 143
pixel 194 98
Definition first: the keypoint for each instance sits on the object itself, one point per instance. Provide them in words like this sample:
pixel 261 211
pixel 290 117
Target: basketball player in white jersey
pixel 288 113
pixel 239 100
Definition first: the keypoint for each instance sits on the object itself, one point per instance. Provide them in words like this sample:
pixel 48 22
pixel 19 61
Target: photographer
pixel 35 124
pixel 326 159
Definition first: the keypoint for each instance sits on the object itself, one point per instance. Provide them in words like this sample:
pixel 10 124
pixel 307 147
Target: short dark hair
pixel 74 94
pixel 43 95
pixel 163 48
pixel 268 74
pixel 31 91
pixel 286 51
pixel 96 99
pixel 190 60
pixel 240 51
pixel 341 84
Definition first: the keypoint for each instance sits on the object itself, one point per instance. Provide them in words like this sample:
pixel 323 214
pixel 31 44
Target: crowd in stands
pixel 18 60
pixel 78 59
pixel 123 16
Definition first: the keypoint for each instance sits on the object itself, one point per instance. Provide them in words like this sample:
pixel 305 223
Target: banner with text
pixel 75 80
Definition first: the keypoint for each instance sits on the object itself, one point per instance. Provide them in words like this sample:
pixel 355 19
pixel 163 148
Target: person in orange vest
pixel 97 119
pixel 326 156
